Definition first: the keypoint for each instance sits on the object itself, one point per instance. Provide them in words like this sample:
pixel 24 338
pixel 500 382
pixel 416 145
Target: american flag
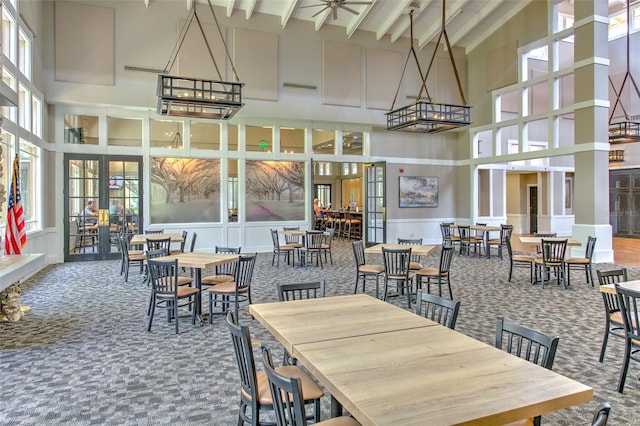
pixel 16 236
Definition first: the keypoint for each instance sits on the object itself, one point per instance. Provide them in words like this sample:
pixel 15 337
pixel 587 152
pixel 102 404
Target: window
pixel 324 168
pixel 24 107
pixel 322 141
pixel 81 129
pixel 291 140
pixel 124 131
pixel 259 138
pixel 36 117
pixel 205 135
pixel 7 145
pixel 29 183
pixel 8 36
pixel 323 194
pixel 24 54
pixel 10 80
pixel 165 134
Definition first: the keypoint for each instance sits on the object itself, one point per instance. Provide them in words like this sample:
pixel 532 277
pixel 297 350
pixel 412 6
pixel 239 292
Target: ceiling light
pixel 194 97
pixel 626 130
pixel 426 116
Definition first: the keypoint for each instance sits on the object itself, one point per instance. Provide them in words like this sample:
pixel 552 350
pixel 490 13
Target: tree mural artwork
pixel 271 182
pixel 184 189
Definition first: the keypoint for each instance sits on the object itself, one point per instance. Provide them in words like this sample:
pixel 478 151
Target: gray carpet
pixel 83 356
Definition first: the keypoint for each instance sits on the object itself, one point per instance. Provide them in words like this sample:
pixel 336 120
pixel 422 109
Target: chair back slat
pixel 227 268
pixel 526 343
pixel 613 276
pixel 298 291
pixel 436 308
pixel 396 263
pixel 628 302
pixel 157 244
pixel 446 254
pixel 286 393
pixel 244 271
pixel 164 277
pixel 314 240
pixel 241 339
pixel 358 252
pixel 411 241
pixel 553 251
pixel 291 239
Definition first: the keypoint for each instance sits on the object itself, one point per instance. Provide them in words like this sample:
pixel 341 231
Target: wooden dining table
pixel 538 240
pixel 416 249
pixel 141 239
pixel 199 261
pixel 412 371
pixel 611 288
pixel 485 233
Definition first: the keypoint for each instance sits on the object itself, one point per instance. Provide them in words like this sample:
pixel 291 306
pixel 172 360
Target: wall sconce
pixel 616 156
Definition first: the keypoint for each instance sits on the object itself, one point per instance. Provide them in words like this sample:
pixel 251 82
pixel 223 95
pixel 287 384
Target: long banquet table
pixel 388 366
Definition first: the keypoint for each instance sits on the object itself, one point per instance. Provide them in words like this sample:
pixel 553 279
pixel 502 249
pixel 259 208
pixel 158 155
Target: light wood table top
pixel 611 288
pixel 421 250
pixel 485 228
pixel 320 321
pixel 200 260
pixel 298 233
pixel 139 239
pixel 538 240
pixel 417 374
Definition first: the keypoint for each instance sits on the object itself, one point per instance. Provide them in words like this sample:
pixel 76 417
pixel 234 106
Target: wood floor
pixel 626 251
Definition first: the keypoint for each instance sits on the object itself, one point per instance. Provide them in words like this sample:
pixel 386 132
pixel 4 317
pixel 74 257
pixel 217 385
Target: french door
pixel 375 220
pixel 103 198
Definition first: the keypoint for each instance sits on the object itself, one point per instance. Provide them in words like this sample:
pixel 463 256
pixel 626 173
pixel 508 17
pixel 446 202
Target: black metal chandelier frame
pixel 195 97
pixel 424 115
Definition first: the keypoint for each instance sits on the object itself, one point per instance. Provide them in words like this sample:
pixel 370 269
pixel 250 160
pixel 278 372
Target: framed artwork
pixel 418 191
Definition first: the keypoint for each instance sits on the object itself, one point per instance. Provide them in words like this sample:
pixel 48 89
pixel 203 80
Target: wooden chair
pixel 281 250
pixel 298 291
pixel 519 261
pixel 154 254
pixel 477 240
pixel 396 268
pixel 236 291
pixel 440 274
pixel 500 243
pixel 543 235
pixel 328 243
pixel 363 269
pixel 312 249
pixel 601 414
pixel 130 258
pixel 436 308
pixel 223 273
pixel 254 391
pixel 582 262
pixel 159 244
pixel 415 259
pixel 288 400
pixel 464 232
pixel 613 317
pixel 448 237
pixel 167 292
pixel 629 301
pixel 553 252
pixel 526 343
pixel 182 244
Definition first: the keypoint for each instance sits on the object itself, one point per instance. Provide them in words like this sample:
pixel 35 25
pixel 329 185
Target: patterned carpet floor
pixel 83 356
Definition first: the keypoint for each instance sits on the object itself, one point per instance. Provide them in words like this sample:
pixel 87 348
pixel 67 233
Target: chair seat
pixel 175 251
pixel 288 247
pixel 373 269
pixel 136 253
pixel 524 258
pixel 216 279
pixel 227 287
pixel 454 238
pixel 182 292
pixel 137 257
pixel 310 389
pixel 294 245
pixel 577 260
pixel 540 261
pixel 184 281
pixel 415 266
pixel 431 272
pixel 401 277
pixel 495 241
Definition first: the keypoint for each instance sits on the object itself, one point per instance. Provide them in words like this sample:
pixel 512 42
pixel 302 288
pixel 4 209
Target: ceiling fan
pixel 335 4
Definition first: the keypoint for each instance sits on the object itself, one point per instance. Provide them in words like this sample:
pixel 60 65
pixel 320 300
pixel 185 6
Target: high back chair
pixel 476 239
pixel 505 232
pixel 327 244
pixel 167 292
pixel 182 244
pixel 292 240
pixel 582 262
pixel 312 249
pixel 288 400
pixel 129 257
pixel 415 258
pixel 223 273
pixel 438 309
pixel 519 261
pixel 526 343
pixel 553 253
pixel 364 270
pixel 613 317
pixel 154 254
pixel 159 244
pixel 543 235
pixel 464 231
pixel 298 291
pixel 440 275
pixel 629 302
pixel 236 291
pixel 280 249
pixel 254 387
pixel 396 268
pixel 448 236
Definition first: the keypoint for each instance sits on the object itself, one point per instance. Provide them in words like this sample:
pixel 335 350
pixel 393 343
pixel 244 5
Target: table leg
pixel 336 407
pixel 198 306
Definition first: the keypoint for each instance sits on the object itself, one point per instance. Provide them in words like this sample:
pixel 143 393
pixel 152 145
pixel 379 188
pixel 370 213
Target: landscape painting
pixel 418 191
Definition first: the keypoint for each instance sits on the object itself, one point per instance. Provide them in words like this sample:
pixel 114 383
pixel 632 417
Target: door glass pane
pixel 83 196
pixel 232 191
pixel 123 198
